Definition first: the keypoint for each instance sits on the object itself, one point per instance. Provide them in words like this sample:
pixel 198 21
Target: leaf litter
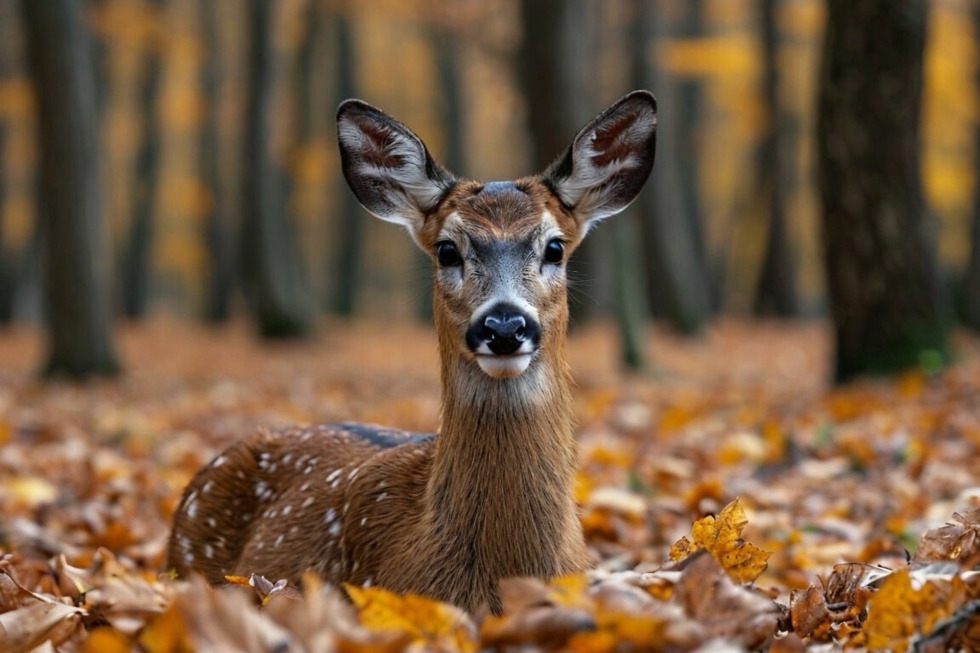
pixel 731 499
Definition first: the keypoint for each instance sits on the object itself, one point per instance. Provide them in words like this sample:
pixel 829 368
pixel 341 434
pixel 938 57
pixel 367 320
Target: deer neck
pixel 504 466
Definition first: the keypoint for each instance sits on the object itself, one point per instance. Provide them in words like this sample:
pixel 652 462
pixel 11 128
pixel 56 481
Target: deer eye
pixel 447 255
pixel 554 251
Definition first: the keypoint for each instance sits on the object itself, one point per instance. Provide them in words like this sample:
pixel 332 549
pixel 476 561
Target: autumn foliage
pixel 730 500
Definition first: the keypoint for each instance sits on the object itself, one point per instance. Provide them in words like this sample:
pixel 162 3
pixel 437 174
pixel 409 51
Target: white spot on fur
pixel 334 529
pixel 353 473
pixel 207 487
pixel 363 520
pixel 334 475
pixel 208 551
pixel 219 461
pixel 330 515
pixel 382 496
pixel 212 522
pixel 279 539
pixel 308 501
pixel 286 509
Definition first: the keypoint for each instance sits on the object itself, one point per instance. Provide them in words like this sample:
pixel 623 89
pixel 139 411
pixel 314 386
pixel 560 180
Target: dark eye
pixel 554 251
pixel 447 255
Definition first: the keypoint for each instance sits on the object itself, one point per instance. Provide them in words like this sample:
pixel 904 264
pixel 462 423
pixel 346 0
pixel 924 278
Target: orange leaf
pixel 423 620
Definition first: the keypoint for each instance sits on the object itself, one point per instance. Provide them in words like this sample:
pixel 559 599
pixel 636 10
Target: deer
pixel 488 497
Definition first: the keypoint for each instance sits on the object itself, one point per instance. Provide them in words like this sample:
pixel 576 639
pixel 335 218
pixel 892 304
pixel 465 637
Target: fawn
pixel 489 497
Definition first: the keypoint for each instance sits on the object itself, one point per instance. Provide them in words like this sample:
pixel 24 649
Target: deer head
pixel 499 249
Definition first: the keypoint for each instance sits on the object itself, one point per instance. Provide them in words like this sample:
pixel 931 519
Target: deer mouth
pixel 505 366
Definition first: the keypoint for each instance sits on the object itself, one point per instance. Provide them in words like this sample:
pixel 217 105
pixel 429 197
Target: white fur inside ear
pixel 600 157
pixel 407 189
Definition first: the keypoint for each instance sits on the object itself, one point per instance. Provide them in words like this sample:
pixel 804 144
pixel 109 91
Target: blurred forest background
pixel 205 159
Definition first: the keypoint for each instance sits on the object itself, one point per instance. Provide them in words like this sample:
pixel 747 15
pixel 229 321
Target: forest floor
pixel 733 500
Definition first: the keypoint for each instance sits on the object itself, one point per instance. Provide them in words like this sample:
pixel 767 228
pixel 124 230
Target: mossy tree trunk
pixel 882 275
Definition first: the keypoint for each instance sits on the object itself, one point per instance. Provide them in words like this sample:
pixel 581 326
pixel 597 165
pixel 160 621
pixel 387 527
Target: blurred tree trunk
pixel 218 234
pixel 346 261
pixel 556 67
pixel 881 269
pixel 8 258
pixel 679 286
pixel 70 199
pixel 776 292
pixel 970 304
pixel 690 101
pixel 136 255
pixel 272 272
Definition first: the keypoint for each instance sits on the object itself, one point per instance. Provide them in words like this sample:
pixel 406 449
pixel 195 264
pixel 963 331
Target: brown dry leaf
pixel 437 626
pixel 898 611
pixel 808 611
pixel 723 609
pixel 958 540
pixel 722 537
pixel 28 620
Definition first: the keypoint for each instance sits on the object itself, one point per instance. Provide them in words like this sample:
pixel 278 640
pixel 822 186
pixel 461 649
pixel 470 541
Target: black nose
pixel 503 329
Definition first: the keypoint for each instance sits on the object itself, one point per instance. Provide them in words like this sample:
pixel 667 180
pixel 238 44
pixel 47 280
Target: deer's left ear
pixel 605 167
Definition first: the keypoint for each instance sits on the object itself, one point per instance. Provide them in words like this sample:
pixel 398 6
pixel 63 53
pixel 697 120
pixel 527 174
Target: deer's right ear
pixel 388 167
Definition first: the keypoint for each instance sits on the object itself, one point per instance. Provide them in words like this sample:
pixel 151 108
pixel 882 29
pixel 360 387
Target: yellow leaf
pixel 569 591
pixel 722 538
pixel 898 611
pixel 422 620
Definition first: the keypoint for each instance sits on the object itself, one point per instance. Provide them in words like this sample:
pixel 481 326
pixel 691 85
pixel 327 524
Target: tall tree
pixel 970 305
pixel 7 258
pixel 556 71
pixel 135 265
pixel 881 268
pixel 272 272
pixel 218 233
pixel 678 283
pixel 345 264
pixel 776 291
pixel 70 198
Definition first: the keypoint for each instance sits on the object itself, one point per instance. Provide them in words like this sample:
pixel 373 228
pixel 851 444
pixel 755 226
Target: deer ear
pixel 605 167
pixel 388 167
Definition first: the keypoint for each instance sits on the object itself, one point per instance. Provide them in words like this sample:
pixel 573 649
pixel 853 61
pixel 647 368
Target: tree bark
pixel 555 68
pixel 136 262
pixel 679 286
pixel 218 234
pixel 346 262
pixel 8 259
pixel 882 275
pixel 272 272
pixel 776 291
pixel 70 193
pixel 970 305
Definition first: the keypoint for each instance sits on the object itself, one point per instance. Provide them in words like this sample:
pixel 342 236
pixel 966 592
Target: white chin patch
pixel 504 367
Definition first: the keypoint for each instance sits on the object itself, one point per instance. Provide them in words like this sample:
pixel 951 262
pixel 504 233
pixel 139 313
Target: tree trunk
pixel 8 259
pixel 970 306
pixel 881 269
pixel 679 287
pixel 136 256
pixel 70 193
pixel 272 271
pixel 346 262
pixel 776 292
pixel 218 234
pixel 556 67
